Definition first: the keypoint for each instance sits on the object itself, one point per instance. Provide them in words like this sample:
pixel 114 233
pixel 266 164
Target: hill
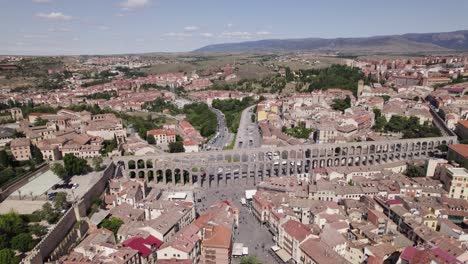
pixel 407 43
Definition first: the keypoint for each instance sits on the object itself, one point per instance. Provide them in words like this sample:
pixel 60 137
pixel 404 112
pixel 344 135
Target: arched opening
pixel 150 176
pixel 337 151
pixel 177 175
pixel 131 165
pixel 159 176
pixel 141 164
pixel 307 153
pixel 149 164
pixel 168 176
pixel 132 175
pixel 141 174
pixel 186 176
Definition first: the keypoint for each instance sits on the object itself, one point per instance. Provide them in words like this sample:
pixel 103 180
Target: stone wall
pixel 64 226
pixel 12 187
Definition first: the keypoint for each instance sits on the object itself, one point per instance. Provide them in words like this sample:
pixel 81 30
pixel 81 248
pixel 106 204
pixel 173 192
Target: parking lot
pixel 250 232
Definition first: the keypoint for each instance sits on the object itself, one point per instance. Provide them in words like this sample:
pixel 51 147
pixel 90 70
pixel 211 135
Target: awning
pixel 284 256
pixel 238 249
pixel 275 248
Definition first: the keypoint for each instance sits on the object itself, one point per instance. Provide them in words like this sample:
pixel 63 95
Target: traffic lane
pixel 250 232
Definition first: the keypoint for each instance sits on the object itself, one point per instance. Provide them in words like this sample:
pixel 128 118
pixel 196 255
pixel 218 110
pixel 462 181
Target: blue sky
pixel 56 27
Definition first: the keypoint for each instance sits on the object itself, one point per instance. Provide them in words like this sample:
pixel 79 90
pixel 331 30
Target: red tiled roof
pixel 461 149
pixel 296 229
pixel 169 132
pixel 143 245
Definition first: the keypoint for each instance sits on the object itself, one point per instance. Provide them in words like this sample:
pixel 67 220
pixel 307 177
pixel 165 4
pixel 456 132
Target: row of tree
pixel 232 110
pixel 410 126
pixel 202 118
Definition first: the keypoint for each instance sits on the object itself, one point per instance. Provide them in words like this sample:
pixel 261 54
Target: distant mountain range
pixel 407 43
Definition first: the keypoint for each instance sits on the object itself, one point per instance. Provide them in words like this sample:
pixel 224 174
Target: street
pixel 248 135
pixel 222 137
pixel 250 232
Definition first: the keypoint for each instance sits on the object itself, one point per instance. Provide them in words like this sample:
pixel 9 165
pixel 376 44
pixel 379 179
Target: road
pixel 222 137
pixel 437 120
pixel 248 135
pixel 250 232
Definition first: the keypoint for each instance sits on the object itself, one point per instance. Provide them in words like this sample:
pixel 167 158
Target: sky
pixel 73 27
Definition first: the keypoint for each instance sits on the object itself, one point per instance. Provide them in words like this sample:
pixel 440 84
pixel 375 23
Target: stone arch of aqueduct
pixel 231 166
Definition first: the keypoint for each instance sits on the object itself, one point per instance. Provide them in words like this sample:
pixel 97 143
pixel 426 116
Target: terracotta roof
pixel 461 149
pixel 296 229
pixel 217 237
pixel 20 142
pixel 169 132
pixel 319 252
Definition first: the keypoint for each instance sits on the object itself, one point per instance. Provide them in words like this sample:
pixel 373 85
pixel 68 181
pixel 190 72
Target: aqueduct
pixel 231 166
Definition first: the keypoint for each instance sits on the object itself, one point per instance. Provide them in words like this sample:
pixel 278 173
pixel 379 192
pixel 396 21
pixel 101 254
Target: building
pixel 163 136
pixel 462 129
pixel 435 80
pixel 49 152
pixel 459 154
pixel 455 181
pixel 313 250
pixel 407 80
pixel 216 245
pixel 21 149
pixel 185 245
pixel 291 234
pixel 6 135
pixel 16 113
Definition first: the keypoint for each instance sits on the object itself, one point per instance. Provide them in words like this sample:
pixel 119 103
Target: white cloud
pixel 230 25
pixel 191 28
pixel 103 28
pixel 207 35
pixel 179 35
pixel 61 29
pixel 236 34
pixel 129 4
pixel 54 16
pixel 34 36
pixel 263 33
pixel 42 1
pixel 75 39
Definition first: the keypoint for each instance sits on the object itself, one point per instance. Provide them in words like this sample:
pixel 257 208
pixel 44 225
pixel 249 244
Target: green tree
pixel 113 224
pixel 385 98
pixel 151 140
pixel 202 118
pixel 110 145
pixel 75 165
pixel 37 229
pixel 49 214
pixel 11 223
pixel 37 155
pixel 60 201
pixel 380 123
pixel 250 260
pixel 341 104
pixel 59 170
pixel 8 256
pixel 40 122
pixel 22 242
pixel 4 241
pixel 176 147
pixel 415 171
pixel 97 163
pixel 5 159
